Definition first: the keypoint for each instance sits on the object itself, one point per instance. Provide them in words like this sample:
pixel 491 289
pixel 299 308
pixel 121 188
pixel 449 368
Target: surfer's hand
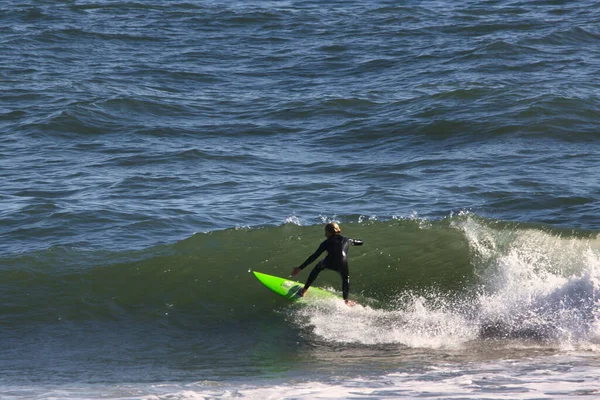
pixel 296 271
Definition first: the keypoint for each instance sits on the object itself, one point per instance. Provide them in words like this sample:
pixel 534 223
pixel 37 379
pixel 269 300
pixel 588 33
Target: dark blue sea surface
pixel 152 153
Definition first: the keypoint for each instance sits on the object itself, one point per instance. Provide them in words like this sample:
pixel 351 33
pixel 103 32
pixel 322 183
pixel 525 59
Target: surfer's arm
pixel 313 257
pixel 356 242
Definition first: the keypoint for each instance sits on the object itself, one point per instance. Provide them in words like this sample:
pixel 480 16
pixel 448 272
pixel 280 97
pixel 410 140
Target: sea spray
pixel 534 282
pixel 419 324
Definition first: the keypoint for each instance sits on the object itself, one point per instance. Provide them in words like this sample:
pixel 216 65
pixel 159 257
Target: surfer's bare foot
pixel 350 303
pixel 302 292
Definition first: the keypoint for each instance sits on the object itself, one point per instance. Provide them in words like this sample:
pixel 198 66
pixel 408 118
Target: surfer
pixel 336 246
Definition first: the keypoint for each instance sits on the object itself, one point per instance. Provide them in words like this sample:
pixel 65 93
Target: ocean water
pixel 153 153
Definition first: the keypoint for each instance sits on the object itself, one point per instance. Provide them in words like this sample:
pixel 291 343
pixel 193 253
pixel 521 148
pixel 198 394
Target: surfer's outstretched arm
pixel 309 260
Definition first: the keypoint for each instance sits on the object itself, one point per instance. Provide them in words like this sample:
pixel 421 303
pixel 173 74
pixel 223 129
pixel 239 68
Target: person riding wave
pixel 336 246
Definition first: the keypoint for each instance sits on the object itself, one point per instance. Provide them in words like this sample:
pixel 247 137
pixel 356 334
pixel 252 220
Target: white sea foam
pixel 417 325
pixel 535 282
pixel 294 220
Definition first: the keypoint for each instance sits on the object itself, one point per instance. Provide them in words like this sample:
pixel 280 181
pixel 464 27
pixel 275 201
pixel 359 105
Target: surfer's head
pixel 332 229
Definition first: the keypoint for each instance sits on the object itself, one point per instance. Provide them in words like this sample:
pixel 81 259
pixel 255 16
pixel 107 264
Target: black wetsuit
pixel 336 260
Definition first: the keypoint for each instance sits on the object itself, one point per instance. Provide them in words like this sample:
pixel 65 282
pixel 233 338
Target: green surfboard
pixel 289 289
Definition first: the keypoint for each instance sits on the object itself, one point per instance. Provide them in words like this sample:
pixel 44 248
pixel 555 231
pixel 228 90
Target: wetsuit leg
pixel 345 281
pixel 314 273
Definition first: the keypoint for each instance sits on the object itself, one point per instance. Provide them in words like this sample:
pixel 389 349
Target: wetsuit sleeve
pixel 356 242
pixel 314 256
